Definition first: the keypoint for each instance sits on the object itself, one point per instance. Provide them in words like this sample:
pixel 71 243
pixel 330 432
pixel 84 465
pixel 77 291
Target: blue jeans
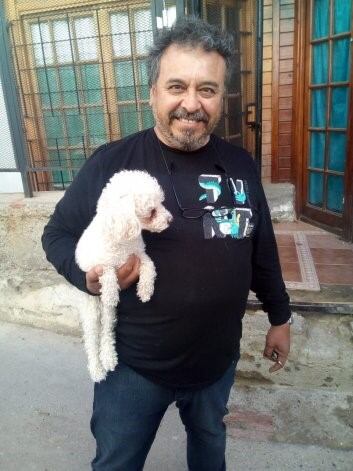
pixel 128 409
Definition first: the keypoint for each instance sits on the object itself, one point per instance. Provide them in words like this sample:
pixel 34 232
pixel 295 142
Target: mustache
pixel 181 113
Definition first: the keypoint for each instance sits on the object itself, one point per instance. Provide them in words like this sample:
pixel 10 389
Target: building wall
pixel 278 50
pixel 267 92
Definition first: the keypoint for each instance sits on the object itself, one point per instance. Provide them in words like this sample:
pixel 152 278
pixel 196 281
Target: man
pixel 183 345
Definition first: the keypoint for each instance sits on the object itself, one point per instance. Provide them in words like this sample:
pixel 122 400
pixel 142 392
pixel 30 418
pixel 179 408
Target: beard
pixel 187 139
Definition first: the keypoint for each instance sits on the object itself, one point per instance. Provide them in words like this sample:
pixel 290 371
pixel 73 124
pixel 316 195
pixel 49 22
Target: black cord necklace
pixel 196 213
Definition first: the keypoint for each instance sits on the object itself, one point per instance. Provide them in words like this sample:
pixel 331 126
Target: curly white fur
pixel 130 202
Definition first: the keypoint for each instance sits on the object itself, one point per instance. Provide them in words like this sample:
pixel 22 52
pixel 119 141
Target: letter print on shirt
pixel 224 221
pixel 211 183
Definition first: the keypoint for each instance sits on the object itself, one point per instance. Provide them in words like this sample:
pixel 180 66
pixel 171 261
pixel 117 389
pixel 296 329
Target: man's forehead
pixel 196 59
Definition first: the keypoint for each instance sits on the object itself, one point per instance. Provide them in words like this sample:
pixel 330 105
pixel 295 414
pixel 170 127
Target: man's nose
pixel 191 101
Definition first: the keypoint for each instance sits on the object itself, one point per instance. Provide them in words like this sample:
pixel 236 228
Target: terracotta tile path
pixel 311 256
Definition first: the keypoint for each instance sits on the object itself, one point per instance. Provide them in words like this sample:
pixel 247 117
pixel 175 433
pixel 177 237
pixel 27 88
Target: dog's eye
pixel 153 213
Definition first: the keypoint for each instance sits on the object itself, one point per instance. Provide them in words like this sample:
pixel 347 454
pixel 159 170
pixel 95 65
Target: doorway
pixel 327 153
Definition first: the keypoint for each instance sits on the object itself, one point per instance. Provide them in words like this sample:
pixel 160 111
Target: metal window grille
pixel 82 78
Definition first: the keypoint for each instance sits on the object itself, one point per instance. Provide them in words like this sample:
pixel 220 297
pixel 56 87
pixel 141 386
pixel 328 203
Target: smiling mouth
pixel 184 120
pixel 193 122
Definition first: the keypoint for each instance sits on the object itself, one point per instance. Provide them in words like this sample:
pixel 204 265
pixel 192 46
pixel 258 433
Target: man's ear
pixel 152 94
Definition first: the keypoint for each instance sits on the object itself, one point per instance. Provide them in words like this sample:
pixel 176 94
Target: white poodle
pixel 131 201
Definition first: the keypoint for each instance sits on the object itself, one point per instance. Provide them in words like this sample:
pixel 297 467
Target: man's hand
pixel 127 274
pixel 277 345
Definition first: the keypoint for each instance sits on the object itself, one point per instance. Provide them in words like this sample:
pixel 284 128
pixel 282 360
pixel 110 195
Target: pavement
pixel 46 401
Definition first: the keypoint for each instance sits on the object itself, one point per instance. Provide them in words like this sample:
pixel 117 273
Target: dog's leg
pixel 90 314
pixel 145 285
pixel 109 299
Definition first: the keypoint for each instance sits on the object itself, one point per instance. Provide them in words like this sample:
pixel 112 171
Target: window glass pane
pixel 124 80
pixel 214 15
pixel 337 151
pixel 340 62
pixel 119 23
pixel 143 79
pixel 232 23
pixel 58 158
pixel 317 150
pixel 75 128
pixel 91 83
pixel 318 108
pixel 47 83
pixel 62 42
pixel 96 126
pixel 320 23
pixel 147 116
pixel 68 85
pixel 168 15
pixel 86 39
pixel 235 116
pixel 128 120
pixel 316 188
pixel 43 52
pixel 143 28
pixel 342 16
pixel 335 193
pixel 320 63
pixel 53 123
pixel 339 107
pixel 77 158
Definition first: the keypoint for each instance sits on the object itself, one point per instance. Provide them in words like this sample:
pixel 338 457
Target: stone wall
pixel 32 293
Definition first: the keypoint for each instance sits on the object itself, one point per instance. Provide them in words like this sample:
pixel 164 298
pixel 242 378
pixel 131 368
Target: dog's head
pixel 133 201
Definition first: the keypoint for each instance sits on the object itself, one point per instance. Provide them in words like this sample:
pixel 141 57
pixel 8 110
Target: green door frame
pixel 12 105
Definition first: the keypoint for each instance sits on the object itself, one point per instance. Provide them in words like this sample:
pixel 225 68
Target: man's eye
pixel 207 92
pixel 176 88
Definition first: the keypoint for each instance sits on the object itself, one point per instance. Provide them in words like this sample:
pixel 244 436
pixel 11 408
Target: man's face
pixel 187 98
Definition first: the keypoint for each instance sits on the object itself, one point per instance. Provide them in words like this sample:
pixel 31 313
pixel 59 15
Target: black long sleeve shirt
pixel 190 330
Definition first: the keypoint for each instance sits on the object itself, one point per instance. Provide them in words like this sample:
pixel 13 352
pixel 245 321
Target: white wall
pixel 10 182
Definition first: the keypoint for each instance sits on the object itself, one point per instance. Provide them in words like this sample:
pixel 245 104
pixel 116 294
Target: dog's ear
pixel 123 220
pixel 132 227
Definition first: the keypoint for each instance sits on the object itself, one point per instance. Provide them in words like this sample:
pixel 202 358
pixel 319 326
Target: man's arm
pixel 268 285
pixel 71 216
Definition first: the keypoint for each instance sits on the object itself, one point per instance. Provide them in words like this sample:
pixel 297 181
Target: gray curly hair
pixel 191 31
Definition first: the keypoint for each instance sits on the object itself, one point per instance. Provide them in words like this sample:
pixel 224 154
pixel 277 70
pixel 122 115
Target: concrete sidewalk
pixel 46 399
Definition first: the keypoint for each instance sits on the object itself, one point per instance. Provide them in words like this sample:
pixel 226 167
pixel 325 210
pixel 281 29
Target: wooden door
pixel 327 157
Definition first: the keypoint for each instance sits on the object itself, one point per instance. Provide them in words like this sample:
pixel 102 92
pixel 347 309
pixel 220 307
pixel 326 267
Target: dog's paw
pixel 109 359
pixel 144 292
pixel 97 373
pixel 144 297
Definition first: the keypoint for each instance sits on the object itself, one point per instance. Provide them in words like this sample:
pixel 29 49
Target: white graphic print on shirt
pixel 222 222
